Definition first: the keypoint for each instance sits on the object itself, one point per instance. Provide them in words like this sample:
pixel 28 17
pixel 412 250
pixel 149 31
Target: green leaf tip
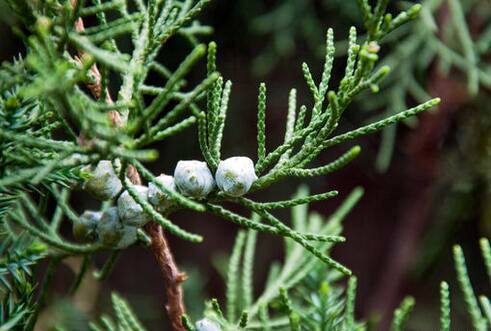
pixel 200 50
pixel 385 70
pixel 415 10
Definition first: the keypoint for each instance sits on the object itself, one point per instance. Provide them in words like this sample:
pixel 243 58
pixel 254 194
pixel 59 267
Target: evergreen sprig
pixel 303 142
pixel 18 253
pixel 401 314
pixel 79 98
pixel 148 27
pixel 422 43
pixel 295 272
pixel 124 315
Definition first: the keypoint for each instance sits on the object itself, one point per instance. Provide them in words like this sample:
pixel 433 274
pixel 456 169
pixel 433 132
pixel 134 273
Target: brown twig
pixel 172 276
pixel 160 247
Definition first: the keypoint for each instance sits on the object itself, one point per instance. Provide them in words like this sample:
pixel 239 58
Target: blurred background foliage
pixel 429 188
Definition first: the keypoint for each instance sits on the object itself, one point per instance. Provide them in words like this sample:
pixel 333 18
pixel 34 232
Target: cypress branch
pixel 232 276
pixel 339 163
pixel 486 254
pixel 261 123
pixel 248 267
pixel 467 291
pixel 380 124
pixel 444 307
pixel 402 314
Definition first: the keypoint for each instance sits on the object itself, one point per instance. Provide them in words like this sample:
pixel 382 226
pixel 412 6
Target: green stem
pixel 48 279
pixel 108 266
pixel 80 276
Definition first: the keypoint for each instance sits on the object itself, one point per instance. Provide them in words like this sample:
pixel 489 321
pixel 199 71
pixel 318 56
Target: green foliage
pixel 125 318
pixel 17 305
pixel 31 159
pixel 444 307
pixel 148 27
pixel 421 44
pixel 305 141
pixel 465 285
pixel 299 291
pixel 401 314
pixel 307 297
pixel 478 314
pixel 486 253
pixel 80 97
pixel 290 22
pixel 413 48
pixel 18 253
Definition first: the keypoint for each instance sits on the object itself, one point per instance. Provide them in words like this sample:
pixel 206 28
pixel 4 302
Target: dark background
pixel 401 233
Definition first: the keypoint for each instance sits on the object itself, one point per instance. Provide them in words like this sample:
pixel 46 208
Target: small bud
pixel 193 178
pixel 110 228
pixel 207 325
pixel 388 19
pixel 160 200
pixel 294 320
pixel 130 211
pixel 374 88
pixel 104 183
pixel 84 228
pixel 43 24
pixel 373 47
pixel 413 12
pixel 87 59
pixel 235 175
pixel 37 247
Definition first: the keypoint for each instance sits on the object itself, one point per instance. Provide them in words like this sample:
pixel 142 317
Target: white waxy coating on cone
pixel 130 211
pixel 159 199
pixel 235 175
pixel 104 183
pixel 129 237
pixel 194 179
pixel 114 234
pixel 110 228
pixel 84 228
pixel 206 324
